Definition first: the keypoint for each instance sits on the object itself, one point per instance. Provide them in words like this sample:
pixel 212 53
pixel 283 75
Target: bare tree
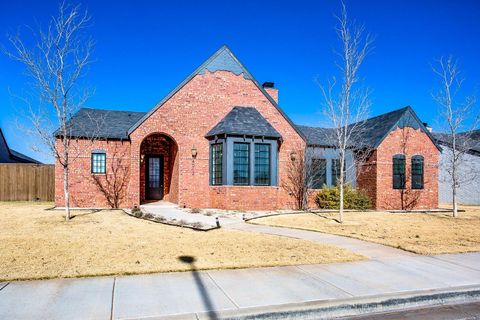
pixel 113 184
pixel 348 106
pixel 302 175
pixel 456 113
pixel 56 62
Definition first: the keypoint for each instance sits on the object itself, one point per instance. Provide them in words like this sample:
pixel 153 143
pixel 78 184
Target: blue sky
pixel 145 48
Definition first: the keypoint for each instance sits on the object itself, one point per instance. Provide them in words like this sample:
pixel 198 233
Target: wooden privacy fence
pixel 27 182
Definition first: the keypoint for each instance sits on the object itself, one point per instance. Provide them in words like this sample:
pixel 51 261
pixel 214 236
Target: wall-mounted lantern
pixel 293 155
pixel 142 157
pixel 194 152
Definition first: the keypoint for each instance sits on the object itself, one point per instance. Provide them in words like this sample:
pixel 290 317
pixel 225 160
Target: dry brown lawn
pixel 416 232
pixel 38 243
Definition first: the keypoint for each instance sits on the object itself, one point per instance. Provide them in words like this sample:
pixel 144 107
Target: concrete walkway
pixel 365 248
pixel 217 292
pixel 171 212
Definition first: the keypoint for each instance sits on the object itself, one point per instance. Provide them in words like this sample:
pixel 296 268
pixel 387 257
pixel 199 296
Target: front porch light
pixel 194 151
pixel 293 155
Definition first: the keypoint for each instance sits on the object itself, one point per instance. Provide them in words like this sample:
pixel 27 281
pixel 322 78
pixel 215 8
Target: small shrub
pixel 159 219
pixel 197 225
pixel 148 216
pixel 329 198
pixel 136 212
pixel 195 210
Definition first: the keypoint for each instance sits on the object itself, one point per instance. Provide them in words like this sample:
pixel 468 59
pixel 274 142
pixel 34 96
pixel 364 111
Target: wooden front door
pixel 154 177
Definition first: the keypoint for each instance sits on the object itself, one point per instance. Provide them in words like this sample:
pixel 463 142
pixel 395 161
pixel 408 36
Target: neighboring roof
pixel 8 155
pixel 223 59
pixel 244 121
pixel 104 124
pixel 20 157
pixel 468 139
pixel 325 137
pixel 373 130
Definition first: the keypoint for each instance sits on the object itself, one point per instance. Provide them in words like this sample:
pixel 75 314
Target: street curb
pixel 328 309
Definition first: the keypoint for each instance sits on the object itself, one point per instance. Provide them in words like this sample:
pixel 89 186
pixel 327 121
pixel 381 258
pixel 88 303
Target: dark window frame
pixel 95 165
pixel 247 165
pixel 336 171
pixel 398 172
pixel 317 183
pixel 418 172
pixel 216 176
pixel 256 164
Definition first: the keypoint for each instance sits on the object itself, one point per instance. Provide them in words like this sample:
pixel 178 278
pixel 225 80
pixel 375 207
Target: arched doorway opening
pixel 158 169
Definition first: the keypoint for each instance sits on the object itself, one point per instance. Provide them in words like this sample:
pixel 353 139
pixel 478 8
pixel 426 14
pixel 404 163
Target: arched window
pixel 399 171
pixel 417 172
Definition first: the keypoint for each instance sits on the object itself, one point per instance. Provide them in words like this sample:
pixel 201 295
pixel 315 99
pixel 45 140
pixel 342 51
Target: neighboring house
pixel 468 171
pixel 220 140
pixel 8 155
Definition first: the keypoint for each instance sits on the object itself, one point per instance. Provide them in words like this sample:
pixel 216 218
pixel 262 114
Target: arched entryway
pixel 158 169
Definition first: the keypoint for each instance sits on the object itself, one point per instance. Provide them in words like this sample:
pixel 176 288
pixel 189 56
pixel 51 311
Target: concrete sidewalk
pixel 217 292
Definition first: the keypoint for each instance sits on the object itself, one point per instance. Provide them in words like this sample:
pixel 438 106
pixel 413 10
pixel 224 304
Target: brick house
pixel 220 140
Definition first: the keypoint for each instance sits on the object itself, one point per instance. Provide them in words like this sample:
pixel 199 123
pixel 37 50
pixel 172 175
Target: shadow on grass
pixel 325 217
pixel 206 299
pixel 82 214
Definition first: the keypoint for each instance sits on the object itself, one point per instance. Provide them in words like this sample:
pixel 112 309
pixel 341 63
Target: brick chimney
pixel 271 90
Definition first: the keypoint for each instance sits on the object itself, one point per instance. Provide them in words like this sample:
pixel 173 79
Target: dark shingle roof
pixel 325 137
pixel 104 124
pixel 244 121
pixel 472 142
pixel 8 155
pixel 372 132
pixel 20 157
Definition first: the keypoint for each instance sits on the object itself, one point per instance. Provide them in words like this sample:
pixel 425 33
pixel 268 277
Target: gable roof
pixel 244 121
pixel 223 59
pixel 99 123
pixel 8 155
pixel 373 130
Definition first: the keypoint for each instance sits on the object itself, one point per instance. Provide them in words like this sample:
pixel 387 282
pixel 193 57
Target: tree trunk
pixel 342 173
pixel 340 212
pixel 66 193
pixel 454 201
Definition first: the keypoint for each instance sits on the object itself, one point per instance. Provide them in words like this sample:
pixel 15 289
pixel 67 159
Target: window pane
pixel 154 172
pixel 98 162
pixel 320 173
pixel 336 171
pixel 241 163
pixel 399 172
pixel 417 172
pixel 216 156
pixel 262 164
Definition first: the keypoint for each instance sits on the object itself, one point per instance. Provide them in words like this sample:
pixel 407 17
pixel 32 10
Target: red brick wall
pixel 187 117
pixel 83 190
pixel 367 177
pixel 409 142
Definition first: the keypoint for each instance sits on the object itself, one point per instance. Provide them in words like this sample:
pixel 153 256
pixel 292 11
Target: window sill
pixel 242 186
